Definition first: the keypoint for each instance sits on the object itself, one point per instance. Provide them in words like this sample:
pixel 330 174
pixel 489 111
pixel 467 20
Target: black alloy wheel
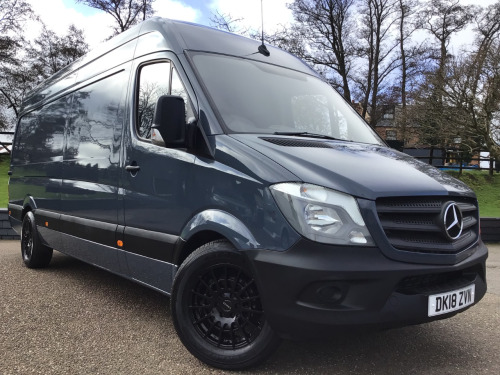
pixel 35 254
pixel 225 307
pixel 26 241
pixel 217 309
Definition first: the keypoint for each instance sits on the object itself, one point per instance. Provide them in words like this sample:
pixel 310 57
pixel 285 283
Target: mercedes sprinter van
pixel 234 179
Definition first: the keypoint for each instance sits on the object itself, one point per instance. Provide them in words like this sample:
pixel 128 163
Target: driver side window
pixel 155 80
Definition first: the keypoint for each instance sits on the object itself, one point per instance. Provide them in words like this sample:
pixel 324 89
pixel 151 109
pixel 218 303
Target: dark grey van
pixel 243 186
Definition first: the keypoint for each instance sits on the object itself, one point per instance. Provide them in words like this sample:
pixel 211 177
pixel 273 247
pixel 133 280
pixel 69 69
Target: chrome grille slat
pixel 469 222
pixel 467 207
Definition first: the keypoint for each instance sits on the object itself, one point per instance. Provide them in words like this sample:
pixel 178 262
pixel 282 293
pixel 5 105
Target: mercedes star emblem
pixel 453 221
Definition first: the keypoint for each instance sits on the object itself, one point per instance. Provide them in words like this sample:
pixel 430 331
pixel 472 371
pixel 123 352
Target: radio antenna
pixel 262 48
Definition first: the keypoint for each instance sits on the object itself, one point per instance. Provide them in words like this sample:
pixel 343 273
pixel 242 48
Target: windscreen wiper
pixel 310 135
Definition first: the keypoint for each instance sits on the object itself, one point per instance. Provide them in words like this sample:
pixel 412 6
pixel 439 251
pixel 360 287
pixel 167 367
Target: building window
pixel 389 112
pixel 390 135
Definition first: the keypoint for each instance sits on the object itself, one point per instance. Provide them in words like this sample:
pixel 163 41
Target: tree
pixel 13 15
pixel 473 87
pixel 47 55
pixel 378 18
pixel 442 19
pixel 412 57
pixel 329 32
pixel 226 22
pixel 50 52
pixel 126 13
pixel 436 116
pixel 290 39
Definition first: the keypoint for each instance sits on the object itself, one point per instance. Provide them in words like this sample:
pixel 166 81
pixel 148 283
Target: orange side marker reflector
pixel 46 223
pixel 119 243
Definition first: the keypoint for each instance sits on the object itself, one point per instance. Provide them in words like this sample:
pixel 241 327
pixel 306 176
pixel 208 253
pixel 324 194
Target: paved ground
pixel 76 319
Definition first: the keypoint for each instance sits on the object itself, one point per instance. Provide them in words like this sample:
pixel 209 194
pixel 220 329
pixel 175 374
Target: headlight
pixel 321 214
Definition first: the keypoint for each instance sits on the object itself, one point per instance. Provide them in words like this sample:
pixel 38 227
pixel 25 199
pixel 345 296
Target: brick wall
pixel 6 232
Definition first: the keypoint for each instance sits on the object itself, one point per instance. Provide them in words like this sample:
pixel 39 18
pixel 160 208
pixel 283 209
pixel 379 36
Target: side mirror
pixel 170 121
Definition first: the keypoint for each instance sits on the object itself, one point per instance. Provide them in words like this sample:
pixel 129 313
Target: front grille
pixel 416 224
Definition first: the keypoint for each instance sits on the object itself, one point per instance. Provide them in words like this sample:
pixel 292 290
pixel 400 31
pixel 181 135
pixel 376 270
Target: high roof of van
pixel 154 35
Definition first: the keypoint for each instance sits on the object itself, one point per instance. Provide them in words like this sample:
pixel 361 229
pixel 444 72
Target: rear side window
pixel 96 118
pixel 40 134
pixel 155 80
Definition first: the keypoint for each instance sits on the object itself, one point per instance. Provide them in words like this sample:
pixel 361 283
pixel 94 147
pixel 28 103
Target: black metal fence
pixel 490 229
pixel 453 160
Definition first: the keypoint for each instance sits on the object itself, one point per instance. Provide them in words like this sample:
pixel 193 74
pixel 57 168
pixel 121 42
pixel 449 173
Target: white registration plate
pixel 451 301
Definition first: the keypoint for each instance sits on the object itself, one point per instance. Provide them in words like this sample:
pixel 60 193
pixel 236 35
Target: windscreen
pixel 255 97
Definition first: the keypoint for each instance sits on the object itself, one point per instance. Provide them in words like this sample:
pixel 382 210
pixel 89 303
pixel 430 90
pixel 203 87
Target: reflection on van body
pixel 241 185
pixel 93 137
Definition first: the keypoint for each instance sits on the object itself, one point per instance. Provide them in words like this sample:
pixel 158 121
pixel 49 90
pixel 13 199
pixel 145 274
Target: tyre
pixel 217 310
pixel 35 254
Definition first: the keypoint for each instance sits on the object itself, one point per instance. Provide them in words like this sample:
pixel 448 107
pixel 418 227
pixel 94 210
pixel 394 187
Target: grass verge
pixel 487 189
pixel 4 180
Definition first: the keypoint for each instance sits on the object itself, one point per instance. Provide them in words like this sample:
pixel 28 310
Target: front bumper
pixel 312 289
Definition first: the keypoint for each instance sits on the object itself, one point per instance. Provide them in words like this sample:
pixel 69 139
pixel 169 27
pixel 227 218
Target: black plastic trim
pixel 15 211
pixel 155 245
pixel 363 287
pixel 150 244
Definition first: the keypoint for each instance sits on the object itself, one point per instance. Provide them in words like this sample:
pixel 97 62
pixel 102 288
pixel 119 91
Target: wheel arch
pixel 185 248
pixel 29 204
pixel 211 225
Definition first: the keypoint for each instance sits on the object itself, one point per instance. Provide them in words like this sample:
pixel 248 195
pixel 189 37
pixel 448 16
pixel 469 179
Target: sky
pixel 59 14
pixel 97 26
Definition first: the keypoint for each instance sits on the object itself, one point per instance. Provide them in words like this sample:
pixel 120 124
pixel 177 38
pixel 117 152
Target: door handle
pixel 132 168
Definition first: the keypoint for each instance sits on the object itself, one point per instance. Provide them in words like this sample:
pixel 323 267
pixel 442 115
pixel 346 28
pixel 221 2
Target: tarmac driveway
pixel 72 318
